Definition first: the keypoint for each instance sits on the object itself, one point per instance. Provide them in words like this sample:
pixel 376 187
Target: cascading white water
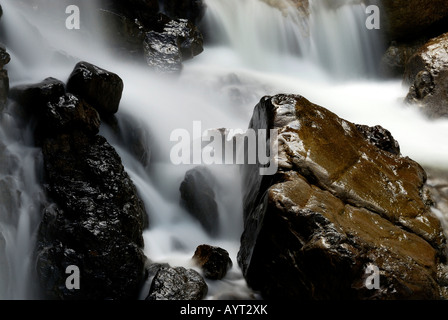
pixel 257 50
pixel 339 40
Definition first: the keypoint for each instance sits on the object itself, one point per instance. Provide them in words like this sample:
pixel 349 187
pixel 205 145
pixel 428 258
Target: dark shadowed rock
pixel 380 137
pixel 4 78
pixel 198 197
pixel 190 39
pixel 69 114
pixel 394 60
pixel 214 261
pixel 37 95
pixel 133 135
pixel 410 19
pixel 337 206
pixel 171 42
pixel 162 52
pixel 95 218
pixel 192 10
pixel 141 10
pixel 97 224
pixel 177 283
pixel 102 89
pixel 123 35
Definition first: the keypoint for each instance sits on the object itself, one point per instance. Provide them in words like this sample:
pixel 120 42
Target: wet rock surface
pixel 97 86
pixel 95 218
pixel 177 283
pixel 198 197
pixel 37 95
pixel 337 205
pixel 163 39
pixel 214 261
pixel 427 74
pixel 177 41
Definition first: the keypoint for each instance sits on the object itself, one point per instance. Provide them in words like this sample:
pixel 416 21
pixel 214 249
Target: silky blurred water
pixel 253 50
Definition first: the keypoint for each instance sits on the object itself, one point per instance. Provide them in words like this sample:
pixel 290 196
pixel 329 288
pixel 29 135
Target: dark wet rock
pixel 380 137
pixel 4 78
pixel 192 10
pixel 142 10
pixel 160 40
pixel 214 261
pixel 37 95
pixel 190 40
pixel 124 35
pixel 427 75
pixel 95 218
pixel 102 89
pixel 171 43
pixel 162 52
pixel 393 63
pixel 4 57
pixel 177 283
pixel 97 224
pixel 337 205
pixel 132 135
pixel 198 197
pixel 70 114
pixel 410 19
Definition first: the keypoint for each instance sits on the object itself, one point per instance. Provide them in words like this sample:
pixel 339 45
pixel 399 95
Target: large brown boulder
pixel 426 73
pixel 338 207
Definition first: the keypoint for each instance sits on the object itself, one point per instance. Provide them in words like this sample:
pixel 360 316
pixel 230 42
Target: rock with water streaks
pixel 95 217
pixel 192 10
pixel 337 208
pixel 198 197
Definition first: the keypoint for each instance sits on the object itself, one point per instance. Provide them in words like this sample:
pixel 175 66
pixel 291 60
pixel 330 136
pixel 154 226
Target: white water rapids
pixel 254 50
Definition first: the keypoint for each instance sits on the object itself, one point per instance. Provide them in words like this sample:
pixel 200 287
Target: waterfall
pixel 330 36
pixel 254 49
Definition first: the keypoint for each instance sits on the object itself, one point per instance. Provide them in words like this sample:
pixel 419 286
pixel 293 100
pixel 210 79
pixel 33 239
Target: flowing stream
pixel 253 50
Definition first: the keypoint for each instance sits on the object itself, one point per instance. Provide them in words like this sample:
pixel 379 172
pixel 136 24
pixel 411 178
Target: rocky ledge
pixel 343 202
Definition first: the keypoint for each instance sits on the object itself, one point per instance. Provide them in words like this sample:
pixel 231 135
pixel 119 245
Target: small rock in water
pixel 177 283
pixel 214 261
pixel 100 88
